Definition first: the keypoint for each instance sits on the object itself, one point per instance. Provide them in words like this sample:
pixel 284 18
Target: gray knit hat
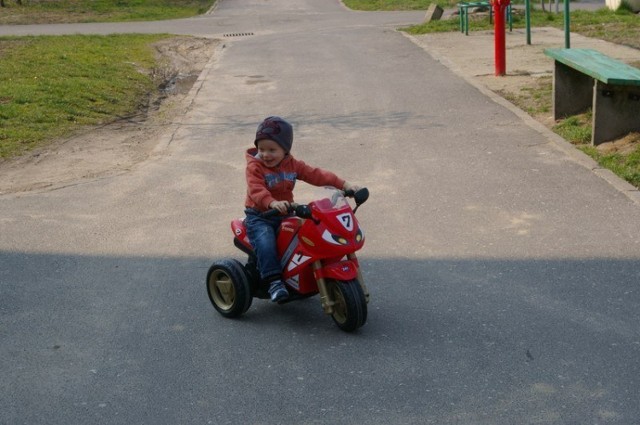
pixel 276 129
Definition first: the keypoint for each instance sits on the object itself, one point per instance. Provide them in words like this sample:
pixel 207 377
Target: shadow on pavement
pixel 134 339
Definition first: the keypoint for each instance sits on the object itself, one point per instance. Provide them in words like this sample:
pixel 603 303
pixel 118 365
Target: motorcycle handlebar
pixel 270 213
pixel 361 195
pixel 274 212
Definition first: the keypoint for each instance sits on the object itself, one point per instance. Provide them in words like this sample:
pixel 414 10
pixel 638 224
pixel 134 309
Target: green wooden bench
pixel 463 13
pixel 585 78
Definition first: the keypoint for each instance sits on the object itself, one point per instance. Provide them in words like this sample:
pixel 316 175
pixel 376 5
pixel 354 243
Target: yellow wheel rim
pixel 340 305
pixel 222 290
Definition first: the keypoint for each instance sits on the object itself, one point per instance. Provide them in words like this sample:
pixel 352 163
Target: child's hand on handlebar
pixel 281 206
pixel 348 187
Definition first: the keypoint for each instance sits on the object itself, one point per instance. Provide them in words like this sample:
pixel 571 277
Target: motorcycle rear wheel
pixel 228 288
pixel 350 304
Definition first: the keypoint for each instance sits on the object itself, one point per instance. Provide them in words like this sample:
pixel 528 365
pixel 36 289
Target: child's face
pixel 270 152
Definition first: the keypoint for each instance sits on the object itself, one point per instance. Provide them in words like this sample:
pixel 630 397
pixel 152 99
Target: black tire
pixel 350 305
pixel 228 288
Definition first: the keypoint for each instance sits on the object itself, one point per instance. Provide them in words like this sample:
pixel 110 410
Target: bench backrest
pixel 597 65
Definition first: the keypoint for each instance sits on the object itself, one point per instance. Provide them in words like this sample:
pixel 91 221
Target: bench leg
pixel 616 112
pixel 572 91
pixel 463 12
pixel 466 21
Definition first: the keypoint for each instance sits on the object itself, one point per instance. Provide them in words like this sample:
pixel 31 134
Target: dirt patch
pixel 118 146
pixel 624 146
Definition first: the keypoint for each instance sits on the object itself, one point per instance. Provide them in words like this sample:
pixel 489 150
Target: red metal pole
pixel 500 54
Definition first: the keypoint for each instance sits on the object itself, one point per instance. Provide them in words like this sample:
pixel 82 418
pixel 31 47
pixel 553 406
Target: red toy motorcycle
pixel 317 246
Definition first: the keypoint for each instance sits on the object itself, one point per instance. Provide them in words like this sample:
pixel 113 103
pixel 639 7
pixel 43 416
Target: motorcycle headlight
pixel 334 239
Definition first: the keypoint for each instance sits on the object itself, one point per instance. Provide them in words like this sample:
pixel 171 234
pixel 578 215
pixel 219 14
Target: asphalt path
pixel 503 274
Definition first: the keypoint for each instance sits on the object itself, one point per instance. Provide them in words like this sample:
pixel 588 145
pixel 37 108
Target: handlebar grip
pixel 270 213
pixel 274 212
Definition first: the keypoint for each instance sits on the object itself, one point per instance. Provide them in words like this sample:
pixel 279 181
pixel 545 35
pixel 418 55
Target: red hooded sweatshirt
pixel 265 185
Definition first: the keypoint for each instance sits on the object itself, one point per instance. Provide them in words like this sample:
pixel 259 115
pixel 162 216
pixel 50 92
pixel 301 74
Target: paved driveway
pixel 504 275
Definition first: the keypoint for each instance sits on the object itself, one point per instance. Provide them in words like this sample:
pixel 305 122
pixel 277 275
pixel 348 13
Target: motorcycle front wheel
pixel 350 304
pixel 228 288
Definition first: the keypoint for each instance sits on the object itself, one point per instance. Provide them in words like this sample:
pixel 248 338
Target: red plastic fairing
pixel 240 233
pixel 344 270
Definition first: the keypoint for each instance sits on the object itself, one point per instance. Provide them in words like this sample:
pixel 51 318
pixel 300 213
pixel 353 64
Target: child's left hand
pixel 282 206
pixel 348 186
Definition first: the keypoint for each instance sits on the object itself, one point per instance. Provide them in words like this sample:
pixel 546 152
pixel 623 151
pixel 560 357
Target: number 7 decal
pixel 347 221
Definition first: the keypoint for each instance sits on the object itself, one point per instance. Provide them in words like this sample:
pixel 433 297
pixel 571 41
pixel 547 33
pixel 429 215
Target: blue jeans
pixel 262 234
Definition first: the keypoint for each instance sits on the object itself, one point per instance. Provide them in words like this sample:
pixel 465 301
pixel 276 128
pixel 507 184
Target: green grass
pixel 58 11
pixel 626 166
pixel 576 129
pixel 372 5
pixel 53 85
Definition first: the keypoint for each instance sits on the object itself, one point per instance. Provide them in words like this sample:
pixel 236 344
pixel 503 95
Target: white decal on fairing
pixel 293 281
pixel 297 260
pixel 347 221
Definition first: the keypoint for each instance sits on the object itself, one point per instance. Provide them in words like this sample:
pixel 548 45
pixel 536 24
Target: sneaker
pixel 278 292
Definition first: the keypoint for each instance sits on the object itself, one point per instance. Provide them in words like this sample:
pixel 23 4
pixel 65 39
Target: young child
pixel 271 176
